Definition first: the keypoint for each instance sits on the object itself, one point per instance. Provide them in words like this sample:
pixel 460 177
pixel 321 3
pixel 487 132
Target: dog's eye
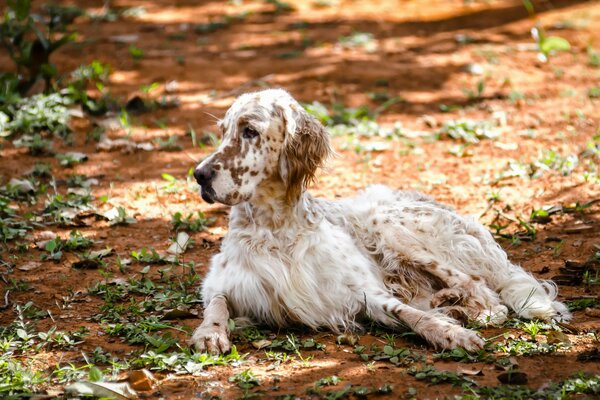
pixel 249 133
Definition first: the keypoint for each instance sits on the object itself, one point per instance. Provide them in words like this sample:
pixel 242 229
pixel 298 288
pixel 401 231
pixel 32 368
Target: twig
pixel 6 301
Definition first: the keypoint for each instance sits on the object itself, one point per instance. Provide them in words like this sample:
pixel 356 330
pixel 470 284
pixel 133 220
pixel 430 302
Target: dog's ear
pixel 306 147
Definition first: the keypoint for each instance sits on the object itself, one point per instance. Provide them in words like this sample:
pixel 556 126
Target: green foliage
pixel 189 223
pixel 56 246
pixel 548 45
pixel 429 374
pixel 362 40
pixel 467 131
pixel 30 39
pixel 39 113
pixel 245 379
pixel 339 114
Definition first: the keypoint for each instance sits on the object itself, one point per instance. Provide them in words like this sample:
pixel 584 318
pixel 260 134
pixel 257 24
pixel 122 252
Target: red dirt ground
pixel 418 58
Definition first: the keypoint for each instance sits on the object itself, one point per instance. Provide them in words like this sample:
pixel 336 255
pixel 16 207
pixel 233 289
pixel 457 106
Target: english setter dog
pixel 396 257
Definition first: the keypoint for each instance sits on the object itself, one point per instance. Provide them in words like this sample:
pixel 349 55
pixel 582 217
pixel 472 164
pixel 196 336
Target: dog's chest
pixel 317 278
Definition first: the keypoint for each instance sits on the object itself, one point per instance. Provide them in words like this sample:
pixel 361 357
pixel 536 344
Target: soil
pixel 424 52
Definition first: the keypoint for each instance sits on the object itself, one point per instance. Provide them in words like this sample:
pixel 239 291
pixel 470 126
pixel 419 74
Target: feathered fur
pixel 392 256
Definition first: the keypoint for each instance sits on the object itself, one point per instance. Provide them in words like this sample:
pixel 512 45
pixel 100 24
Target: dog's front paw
pixel 212 338
pixel 452 336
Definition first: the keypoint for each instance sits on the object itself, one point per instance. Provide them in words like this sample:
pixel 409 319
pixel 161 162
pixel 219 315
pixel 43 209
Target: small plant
pixel 56 246
pixel 363 40
pixel 548 45
pixel 189 223
pixel 71 158
pixel 148 256
pixel 467 131
pixel 170 144
pixel 135 52
pixel 434 376
pixel 36 145
pixel 582 304
pixel 474 95
pixel 30 39
pixel 245 380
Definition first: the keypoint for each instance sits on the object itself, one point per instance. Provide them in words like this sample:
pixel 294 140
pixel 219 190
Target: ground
pixel 528 141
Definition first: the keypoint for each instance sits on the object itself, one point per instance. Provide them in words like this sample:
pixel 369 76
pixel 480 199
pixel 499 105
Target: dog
pixel 395 257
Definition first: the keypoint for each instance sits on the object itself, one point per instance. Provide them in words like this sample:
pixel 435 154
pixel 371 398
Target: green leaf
pixel 554 43
pixel 51 246
pixel 22 334
pixel 388 350
pixel 95 374
pixel 21 8
pixel 168 177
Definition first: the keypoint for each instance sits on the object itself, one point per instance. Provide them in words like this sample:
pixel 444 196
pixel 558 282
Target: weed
pixel 362 40
pixel 430 374
pixel 477 93
pixel 71 158
pixel 245 380
pixel 461 355
pixel 593 57
pixel 148 256
pixel 184 361
pixel 566 389
pixel 170 144
pixel 56 246
pixel 582 304
pixel 467 131
pixel 135 52
pixel 36 145
pixel 520 347
pixel 30 39
pixel 339 115
pixel 548 45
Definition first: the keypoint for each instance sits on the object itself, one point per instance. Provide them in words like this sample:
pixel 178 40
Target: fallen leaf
pixel 101 253
pixel 42 238
pixel 180 244
pixel 119 391
pixel 22 185
pixel 592 312
pixel 28 266
pixel 141 380
pixel 470 371
pixel 180 314
pixel 556 337
pixel 261 344
pixel 513 378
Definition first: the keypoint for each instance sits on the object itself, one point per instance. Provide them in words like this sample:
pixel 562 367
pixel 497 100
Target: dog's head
pixel 267 135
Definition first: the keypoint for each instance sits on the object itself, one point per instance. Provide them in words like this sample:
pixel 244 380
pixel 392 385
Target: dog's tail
pixel 531 298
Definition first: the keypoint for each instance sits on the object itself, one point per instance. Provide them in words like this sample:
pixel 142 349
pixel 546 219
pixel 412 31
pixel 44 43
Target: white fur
pixel 395 257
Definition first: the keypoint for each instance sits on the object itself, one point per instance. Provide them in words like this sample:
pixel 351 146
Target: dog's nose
pixel 204 174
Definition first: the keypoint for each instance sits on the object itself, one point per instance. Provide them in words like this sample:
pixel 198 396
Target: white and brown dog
pixel 395 257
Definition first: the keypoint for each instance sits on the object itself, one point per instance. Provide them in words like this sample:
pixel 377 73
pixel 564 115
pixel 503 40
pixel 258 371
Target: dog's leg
pixel 439 331
pixel 213 334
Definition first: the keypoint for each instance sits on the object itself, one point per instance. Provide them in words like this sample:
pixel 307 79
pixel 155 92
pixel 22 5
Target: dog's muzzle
pixel 204 175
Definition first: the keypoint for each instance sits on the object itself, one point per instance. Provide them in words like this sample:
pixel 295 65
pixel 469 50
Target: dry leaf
pixel 112 390
pixel 141 380
pixel 29 266
pixel 556 337
pixel 261 344
pixel 180 244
